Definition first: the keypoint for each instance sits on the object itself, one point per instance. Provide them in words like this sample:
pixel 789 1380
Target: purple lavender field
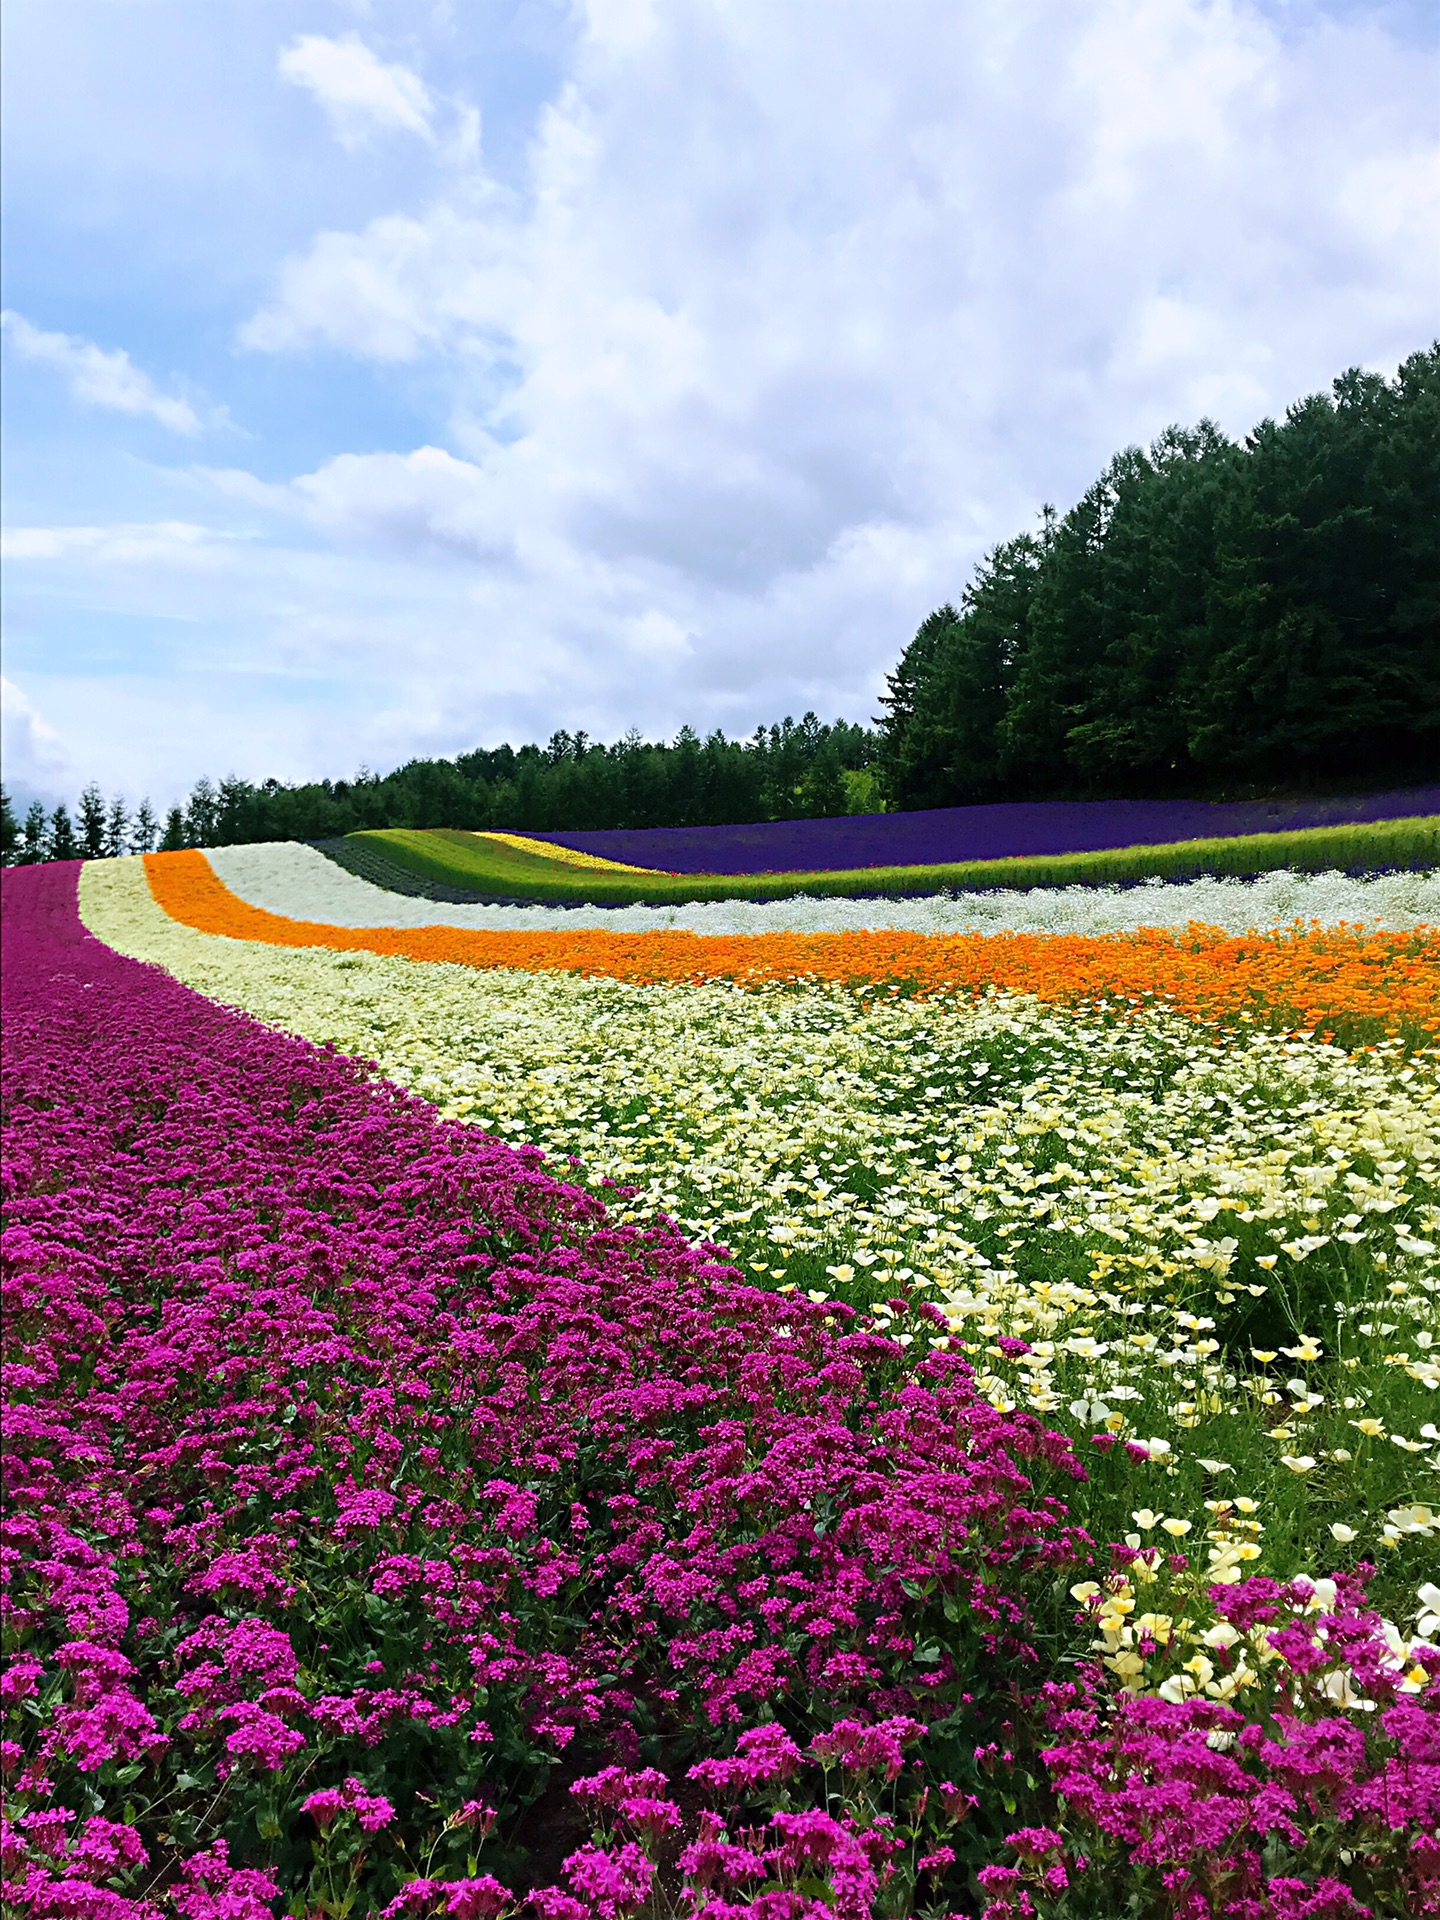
pixel 942 834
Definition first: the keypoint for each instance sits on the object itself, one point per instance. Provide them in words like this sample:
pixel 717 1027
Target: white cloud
pixel 146 543
pixel 37 765
pixel 767 288
pixel 768 334
pixel 401 288
pixel 98 377
pixel 359 92
pixel 421 503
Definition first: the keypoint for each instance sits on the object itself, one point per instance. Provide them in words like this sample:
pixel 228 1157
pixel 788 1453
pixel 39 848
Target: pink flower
pixel 416 1896
pixel 651 1817
pixel 617 1883
pixel 477 1899
pixel 477 1816
pixel 212 1889
pixel 1034 1843
pixel 260 1736
pixel 324 1805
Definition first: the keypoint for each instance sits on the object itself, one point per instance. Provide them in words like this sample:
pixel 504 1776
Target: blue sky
pixel 388 379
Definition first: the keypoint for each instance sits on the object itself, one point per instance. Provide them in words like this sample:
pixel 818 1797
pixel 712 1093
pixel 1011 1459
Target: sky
pixel 387 378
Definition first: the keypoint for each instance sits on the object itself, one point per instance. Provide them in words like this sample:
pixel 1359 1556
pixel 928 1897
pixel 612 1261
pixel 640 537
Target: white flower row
pixel 296 881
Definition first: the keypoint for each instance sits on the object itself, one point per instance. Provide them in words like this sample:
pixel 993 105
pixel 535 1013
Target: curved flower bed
pixel 286 878
pixel 1004 830
pixel 1376 983
pixel 392 1530
pixel 357 1465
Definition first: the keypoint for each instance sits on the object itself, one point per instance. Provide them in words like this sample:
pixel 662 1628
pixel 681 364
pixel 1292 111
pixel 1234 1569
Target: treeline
pixel 1211 617
pixel 793 771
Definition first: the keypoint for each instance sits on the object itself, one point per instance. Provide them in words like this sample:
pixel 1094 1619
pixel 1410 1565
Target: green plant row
pixel 496 871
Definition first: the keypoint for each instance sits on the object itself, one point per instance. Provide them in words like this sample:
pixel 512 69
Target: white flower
pixel 1339 1687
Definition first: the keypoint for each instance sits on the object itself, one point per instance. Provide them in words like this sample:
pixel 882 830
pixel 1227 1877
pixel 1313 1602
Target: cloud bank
pixel 787 316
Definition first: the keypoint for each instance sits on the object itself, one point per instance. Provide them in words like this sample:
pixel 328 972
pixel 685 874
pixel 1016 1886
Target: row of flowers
pixel 1367 982
pixel 1139 1232
pixel 1007 830
pixel 297 882
pixel 399 1529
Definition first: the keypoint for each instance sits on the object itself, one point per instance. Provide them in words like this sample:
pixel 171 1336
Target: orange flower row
pixel 1297 978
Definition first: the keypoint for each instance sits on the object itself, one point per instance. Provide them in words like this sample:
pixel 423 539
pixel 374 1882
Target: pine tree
pixel 144 828
pixel 115 828
pixel 202 814
pixel 174 837
pixel 35 846
pixel 9 831
pixel 63 844
pixel 92 823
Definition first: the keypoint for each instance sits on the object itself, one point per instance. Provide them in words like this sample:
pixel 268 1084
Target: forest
pixel 798 769
pixel 1213 618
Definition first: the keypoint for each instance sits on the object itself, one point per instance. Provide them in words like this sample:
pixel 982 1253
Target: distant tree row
pixel 796 770
pixel 1209 617
pixel 98 830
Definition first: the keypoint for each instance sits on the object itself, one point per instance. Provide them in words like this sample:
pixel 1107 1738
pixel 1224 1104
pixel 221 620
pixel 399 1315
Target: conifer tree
pixel 115 826
pixel 202 814
pixel 822 792
pixel 9 831
pixel 144 828
pixel 63 844
pixel 92 823
pixel 35 844
pixel 1261 614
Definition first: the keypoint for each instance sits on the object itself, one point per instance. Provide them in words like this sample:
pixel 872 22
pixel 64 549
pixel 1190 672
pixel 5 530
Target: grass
pixel 489 869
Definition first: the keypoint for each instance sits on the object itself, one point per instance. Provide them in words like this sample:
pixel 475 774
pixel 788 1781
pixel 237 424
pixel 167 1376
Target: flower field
pixel 498 868
pixel 295 881
pixel 1008 830
pixel 1345 980
pixel 945 1423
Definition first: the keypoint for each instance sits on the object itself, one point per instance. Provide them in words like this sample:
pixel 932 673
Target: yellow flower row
pixel 567 856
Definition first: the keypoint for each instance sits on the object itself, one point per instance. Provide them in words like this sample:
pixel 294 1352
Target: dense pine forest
pixel 1212 618
pixel 1209 618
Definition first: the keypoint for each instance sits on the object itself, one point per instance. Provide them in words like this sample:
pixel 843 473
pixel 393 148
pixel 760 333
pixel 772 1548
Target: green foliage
pixel 144 828
pixel 62 844
pixel 35 845
pixel 492 870
pixel 92 823
pixel 9 831
pixel 1206 613
pixel 117 824
pixel 822 792
pixel 794 771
